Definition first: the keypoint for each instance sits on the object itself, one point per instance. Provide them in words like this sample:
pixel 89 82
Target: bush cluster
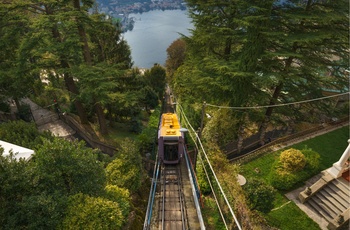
pixel 260 195
pixel 292 167
pixel 64 185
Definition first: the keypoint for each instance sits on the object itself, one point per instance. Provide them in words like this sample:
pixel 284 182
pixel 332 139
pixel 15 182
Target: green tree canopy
pixel 176 53
pixel 55 39
pixel 126 170
pixel 15 181
pixel 23 133
pixel 15 81
pixel 250 53
pixel 121 196
pixel 156 79
pixel 68 167
pixel 86 212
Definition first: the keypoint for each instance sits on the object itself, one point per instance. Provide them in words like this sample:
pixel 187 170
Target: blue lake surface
pixel 153 33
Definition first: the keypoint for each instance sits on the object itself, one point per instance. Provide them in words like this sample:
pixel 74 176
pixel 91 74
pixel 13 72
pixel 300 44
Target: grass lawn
pixel 290 217
pixel 117 133
pixel 121 131
pixel 286 215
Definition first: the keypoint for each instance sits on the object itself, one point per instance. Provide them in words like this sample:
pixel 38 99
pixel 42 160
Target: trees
pixel 108 45
pixel 51 45
pixel 15 82
pixel 306 44
pixel 62 186
pixel 125 170
pixel 156 79
pixel 58 38
pixel 96 83
pixel 121 196
pixel 175 56
pixel 14 179
pixel 218 128
pixel 249 53
pixel 23 133
pixel 85 212
pixel 38 194
pixel 68 167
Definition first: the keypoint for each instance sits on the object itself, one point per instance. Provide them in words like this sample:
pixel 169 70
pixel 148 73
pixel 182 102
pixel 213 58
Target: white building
pixel 19 151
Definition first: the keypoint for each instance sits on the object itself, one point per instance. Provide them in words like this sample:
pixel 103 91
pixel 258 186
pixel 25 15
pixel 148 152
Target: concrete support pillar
pixel 337 169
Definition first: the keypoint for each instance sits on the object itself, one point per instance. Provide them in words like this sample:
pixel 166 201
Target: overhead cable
pixel 205 171
pixel 216 179
pixel 278 105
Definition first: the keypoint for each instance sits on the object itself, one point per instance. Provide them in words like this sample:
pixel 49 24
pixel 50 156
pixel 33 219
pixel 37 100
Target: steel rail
pixel 181 197
pixel 163 196
pixel 175 185
pixel 195 188
pixel 148 217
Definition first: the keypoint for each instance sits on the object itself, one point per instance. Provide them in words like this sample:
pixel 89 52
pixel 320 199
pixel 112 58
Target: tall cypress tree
pixel 248 52
pixel 310 34
pixel 46 45
pixel 16 81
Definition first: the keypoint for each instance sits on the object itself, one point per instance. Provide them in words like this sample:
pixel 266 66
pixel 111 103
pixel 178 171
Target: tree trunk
pixel 101 119
pixel 70 84
pixel 83 37
pixel 268 113
pixel 278 89
pixel 240 138
pixel 276 94
pixel 17 103
pixel 69 81
pixel 88 60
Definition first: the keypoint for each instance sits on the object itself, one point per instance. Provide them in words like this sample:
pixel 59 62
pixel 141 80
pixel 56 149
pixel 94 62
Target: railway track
pixel 171 207
pixel 173 198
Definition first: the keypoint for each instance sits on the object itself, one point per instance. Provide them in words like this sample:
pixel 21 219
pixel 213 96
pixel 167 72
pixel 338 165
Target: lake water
pixel 153 33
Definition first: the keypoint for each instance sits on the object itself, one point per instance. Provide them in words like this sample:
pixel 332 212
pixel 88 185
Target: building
pixel 18 151
pixel 329 197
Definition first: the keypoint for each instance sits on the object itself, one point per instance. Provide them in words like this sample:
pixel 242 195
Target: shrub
pixel 292 160
pixel 312 159
pixel 260 195
pixel 282 179
pixel 147 138
pixel 293 166
pixel 202 180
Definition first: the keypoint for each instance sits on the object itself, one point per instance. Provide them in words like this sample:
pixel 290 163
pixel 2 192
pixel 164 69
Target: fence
pixel 269 147
pixel 87 136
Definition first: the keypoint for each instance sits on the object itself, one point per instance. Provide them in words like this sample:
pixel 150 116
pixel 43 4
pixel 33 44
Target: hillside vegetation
pixel 249 67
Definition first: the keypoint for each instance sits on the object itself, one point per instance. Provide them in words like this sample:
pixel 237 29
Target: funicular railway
pixel 173 201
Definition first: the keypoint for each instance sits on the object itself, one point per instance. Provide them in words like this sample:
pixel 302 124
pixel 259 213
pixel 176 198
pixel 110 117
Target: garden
pixel 319 153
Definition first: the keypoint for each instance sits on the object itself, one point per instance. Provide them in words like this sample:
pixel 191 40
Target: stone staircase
pixel 42 116
pixel 332 202
pixel 48 120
